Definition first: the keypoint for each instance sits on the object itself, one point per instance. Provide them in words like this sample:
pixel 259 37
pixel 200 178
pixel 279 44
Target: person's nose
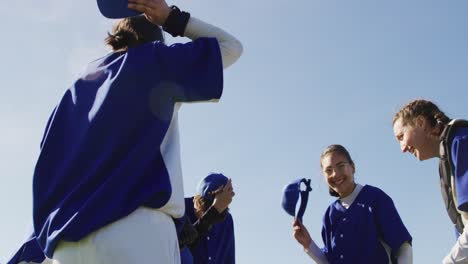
pixel 333 173
pixel 403 146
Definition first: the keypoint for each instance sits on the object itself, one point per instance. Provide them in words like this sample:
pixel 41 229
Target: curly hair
pixel 133 31
pixel 427 109
pixel 340 150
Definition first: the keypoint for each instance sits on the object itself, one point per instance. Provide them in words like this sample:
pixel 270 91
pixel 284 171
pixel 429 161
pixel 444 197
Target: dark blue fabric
pixel 28 252
pixel 218 246
pixel 304 200
pixel 115 8
pixel 100 157
pixel 186 256
pixel 290 198
pixel 291 194
pixel 211 183
pixel 352 235
pixel 459 151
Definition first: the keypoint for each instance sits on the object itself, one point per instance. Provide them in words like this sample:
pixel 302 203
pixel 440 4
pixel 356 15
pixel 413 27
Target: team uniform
pixel 217 246
pixel 110 154
pixel 29 252
pixel 110 159
pixel 454 173
pixel 459 151
pixel 360 229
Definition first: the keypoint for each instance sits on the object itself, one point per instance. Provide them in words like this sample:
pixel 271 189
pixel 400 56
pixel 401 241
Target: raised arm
pixel 231 48
pixel 175 21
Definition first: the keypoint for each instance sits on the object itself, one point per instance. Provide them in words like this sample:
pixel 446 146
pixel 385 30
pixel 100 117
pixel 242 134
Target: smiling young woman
pixel 362 225
pixel 417 127
pixel 423 130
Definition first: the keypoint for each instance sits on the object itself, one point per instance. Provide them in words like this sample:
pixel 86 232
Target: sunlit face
pixel 338 173
pixel 414 139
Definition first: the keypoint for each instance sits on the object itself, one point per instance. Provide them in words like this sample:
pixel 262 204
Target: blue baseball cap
pixel 291 194
pixel 116 9
pixel 209 184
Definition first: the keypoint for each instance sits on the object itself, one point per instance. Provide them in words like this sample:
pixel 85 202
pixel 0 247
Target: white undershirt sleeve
pixel 405 254
pixel 459 252
pixel 316 253
pixel 231 48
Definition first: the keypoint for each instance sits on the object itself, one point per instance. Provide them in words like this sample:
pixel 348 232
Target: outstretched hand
pixel 156 11
pixel 301 234
pixel 223 196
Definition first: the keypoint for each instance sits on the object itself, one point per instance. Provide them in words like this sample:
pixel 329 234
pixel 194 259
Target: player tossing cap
pixel 291 193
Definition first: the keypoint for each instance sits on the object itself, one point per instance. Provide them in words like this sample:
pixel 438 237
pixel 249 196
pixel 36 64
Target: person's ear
pixel 421 122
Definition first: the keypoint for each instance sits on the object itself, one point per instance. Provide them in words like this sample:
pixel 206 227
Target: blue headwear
pixel 209 184
pixel 116 9
pixel 291 195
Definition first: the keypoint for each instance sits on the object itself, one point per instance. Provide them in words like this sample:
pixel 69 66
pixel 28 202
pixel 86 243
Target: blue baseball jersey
pixel 28 252
pixel 459 151
pixel 217 247
pixel 111 145
pixel 186 256
pixel 353 235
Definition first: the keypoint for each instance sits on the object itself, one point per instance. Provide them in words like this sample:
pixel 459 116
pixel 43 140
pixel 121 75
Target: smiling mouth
pixel 412 151
pixel 338 182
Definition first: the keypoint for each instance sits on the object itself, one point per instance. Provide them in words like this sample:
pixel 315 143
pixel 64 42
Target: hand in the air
pixel 223 196
pixel 156 11
pixel 301 234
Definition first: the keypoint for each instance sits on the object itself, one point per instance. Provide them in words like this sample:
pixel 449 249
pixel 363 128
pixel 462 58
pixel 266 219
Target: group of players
pixel 107 185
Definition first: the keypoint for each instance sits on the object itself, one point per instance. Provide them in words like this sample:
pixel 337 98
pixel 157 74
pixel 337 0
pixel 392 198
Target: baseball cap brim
pixel 116 9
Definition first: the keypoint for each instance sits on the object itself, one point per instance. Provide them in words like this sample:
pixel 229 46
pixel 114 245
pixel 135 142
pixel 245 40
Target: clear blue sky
pixel 313 73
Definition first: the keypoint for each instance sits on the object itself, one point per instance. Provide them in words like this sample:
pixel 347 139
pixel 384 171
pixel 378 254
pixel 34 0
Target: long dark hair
pixel 340 150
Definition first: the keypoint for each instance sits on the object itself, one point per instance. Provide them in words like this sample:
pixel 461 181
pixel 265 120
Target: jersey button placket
pixel 341 236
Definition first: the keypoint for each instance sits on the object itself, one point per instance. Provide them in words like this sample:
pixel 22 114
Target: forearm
pixel 459 252
pixel 231 48
pixel 316 253
pixel 405 254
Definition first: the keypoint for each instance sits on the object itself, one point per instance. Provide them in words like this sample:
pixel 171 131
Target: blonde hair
pixel 201 205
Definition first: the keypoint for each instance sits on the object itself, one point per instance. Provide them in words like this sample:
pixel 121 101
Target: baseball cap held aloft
pixel 116 9
pixel 291 196
pixel 210 184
